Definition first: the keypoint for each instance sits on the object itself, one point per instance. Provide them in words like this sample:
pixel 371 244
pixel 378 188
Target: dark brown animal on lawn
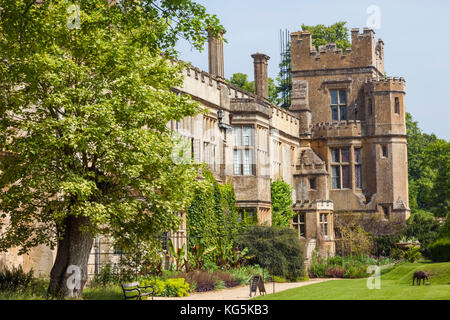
pixel 421 275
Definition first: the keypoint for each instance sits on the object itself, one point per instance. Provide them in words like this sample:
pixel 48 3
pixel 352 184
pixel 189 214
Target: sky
pixel 415 35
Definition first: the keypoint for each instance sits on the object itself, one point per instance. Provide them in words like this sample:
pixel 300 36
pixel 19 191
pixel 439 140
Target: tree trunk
pixel 69 273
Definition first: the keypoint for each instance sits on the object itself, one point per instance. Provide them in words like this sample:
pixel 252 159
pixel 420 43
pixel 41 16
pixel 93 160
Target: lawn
pixel 396 284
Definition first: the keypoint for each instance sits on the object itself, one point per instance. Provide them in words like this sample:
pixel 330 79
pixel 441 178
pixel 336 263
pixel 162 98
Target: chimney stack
pixel 215 55
pixel 261 75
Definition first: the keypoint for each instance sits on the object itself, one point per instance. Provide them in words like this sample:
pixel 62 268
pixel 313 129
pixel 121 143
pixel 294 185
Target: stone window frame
pixel 324 223
pixel 384 151
pixel 340 164
pixel 339 104
pixel 396 105
pixel 386 211
pixel 312 186
pixel 299 223
pixel 356 164
pixel 370 106
pixel 242 148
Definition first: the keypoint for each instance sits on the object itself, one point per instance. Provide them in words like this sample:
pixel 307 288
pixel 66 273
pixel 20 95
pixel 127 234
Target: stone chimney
pixel 215 55
pixel 261 76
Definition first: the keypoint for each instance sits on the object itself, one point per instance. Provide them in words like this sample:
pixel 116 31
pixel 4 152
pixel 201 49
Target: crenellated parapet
pixel 350 128
pixel 388 84
pixel 314 205
pixel 363 53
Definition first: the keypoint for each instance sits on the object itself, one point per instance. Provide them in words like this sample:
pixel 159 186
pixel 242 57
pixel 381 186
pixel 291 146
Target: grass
pixel 112 292
pixel 396 284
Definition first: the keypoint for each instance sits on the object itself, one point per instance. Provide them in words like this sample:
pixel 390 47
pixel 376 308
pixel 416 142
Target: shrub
pixel 444 232
pixel 176 287
pixel 356 271
pixel 343 267
pixel 15 279
pixel 384 245
pixel 105 276
pixel 202 281
pixel 220 284
pixel 397 254
pixel 228 279
pixel 423 226
pixel 335 272
pixel 275 249
pixel 279 279
pixel 353 239
pixel 413 254
pixel 440 250
pixel 172 287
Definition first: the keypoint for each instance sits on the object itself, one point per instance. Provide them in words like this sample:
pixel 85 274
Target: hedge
pixel 440 250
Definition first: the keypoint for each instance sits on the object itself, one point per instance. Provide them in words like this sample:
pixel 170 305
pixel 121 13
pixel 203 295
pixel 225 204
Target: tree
pixel 423 226
pixel 336 33
pixel 277 249
pixel 428 173
pixel 240 81
pixel 85 99
pixel 281 198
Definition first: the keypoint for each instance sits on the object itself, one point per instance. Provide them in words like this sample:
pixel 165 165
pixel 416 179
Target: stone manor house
pixel 342 144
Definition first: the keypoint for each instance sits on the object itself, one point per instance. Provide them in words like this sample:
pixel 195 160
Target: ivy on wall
pixel 212 218
pixel 281 197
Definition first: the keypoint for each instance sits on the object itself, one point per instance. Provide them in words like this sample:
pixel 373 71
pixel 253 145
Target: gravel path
pixel 242 292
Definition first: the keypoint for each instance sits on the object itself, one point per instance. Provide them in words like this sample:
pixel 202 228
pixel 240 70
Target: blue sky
pixel 415 34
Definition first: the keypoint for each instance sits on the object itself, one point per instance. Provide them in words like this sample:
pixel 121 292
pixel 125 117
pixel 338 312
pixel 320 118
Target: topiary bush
pixel 440 250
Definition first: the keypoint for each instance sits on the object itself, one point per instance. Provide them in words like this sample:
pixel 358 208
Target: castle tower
pixel 386 131
pixel 331 91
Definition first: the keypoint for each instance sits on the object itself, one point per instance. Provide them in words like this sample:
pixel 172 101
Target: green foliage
pixel 423 226
pixel 352 266
pixel 15 279
pixel 240 81
pixel 395 285
pixel 428 169
pixel 172 287
pixel 106 276
pixel 177 255
pixel 92 104
pixel 336 33
pixel 281 197
pixel 353 239
pixel 212 223
pixel 440 250
pixel 413 254
pixel 384 245
pixel 275 249
pixel 444 232
pixel 397 254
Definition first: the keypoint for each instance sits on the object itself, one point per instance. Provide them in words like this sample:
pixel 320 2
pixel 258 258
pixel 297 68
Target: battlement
pixel 314 205
pixel 386 84
pixel 363 53
pixel 350 128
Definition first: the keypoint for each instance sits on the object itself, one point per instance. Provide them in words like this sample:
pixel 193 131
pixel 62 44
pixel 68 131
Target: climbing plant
pixel 212 218
pixel 281 197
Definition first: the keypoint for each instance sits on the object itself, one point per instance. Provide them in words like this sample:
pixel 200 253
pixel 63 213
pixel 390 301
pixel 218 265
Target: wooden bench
pixel 137 289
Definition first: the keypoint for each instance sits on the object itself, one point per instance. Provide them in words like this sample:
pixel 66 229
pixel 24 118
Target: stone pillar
pixel 261 75
pixel 215 55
